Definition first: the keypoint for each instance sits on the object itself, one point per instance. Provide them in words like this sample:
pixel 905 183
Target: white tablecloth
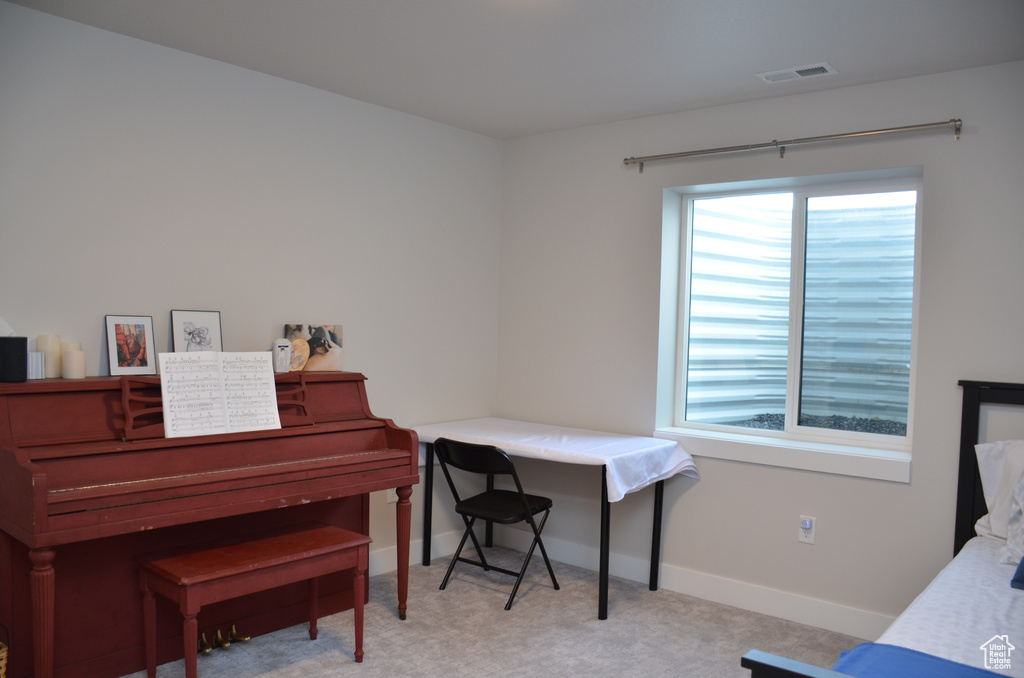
pixel 633 462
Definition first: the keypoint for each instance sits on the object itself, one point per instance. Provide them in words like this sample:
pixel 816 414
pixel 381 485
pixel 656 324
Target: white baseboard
pixel 386 559
pixel 784 604
pixel 756 598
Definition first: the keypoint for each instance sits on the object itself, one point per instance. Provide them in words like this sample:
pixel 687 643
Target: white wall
pixel 581 237
pixel 136 179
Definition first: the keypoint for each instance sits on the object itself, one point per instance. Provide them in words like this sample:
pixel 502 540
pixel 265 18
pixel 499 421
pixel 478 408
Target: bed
pixel 969 621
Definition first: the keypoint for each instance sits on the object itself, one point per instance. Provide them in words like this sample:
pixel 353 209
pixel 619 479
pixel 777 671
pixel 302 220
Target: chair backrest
pixel 474 458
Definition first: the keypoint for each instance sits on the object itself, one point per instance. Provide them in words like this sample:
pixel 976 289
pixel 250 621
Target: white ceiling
pixel 509 68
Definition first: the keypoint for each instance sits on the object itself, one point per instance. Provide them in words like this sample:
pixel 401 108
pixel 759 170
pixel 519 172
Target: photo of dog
pixel 315 348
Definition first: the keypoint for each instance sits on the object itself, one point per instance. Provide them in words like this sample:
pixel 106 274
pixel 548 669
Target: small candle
pixel 49 344
pixel 73 365
pixel 36 365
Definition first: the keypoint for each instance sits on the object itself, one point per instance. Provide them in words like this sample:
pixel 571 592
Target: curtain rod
pixel 956 123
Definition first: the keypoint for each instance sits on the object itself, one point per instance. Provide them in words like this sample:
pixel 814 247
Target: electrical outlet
pixel 392 495
pixel 807 528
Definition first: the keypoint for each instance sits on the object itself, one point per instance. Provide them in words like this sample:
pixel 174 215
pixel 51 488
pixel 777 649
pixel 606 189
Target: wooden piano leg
pixel 190 637
pixel 358 585
pixel 42 585
pixel 403 518
pixel 314 606
pixel 149 625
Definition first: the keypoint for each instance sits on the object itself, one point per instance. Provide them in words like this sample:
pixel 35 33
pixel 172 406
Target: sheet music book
pixel 209 392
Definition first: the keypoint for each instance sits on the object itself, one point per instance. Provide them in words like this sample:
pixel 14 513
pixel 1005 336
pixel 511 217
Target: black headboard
pixel 970 500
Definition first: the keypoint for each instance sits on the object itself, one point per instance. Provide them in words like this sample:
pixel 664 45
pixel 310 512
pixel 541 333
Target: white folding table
pixel 629 463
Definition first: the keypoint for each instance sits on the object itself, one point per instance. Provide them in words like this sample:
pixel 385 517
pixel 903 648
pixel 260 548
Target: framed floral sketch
pixel 130 347
pixel 196 331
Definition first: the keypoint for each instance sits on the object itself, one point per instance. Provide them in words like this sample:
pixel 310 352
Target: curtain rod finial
pixel 633 161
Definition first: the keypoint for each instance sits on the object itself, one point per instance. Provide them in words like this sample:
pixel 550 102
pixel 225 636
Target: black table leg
pixel 428 501
pixel 489 525
pixel 659 501
pixel 602 590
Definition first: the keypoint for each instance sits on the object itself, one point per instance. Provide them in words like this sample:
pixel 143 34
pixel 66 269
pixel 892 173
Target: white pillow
pixel 1013 552
pixel 1001 465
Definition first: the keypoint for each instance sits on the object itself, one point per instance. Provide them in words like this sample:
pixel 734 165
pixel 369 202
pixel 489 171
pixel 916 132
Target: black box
pixel 13 358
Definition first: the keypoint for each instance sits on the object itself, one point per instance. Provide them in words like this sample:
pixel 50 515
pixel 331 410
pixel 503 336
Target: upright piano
pixel 89 482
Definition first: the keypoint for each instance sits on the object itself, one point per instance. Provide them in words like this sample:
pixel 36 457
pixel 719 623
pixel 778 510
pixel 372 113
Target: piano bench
pixel 221 572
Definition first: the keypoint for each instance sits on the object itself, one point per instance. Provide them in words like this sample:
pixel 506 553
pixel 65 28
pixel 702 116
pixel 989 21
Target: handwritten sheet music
pixel 207 392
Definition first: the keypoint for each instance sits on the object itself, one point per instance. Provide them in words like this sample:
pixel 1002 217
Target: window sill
pixel 859 462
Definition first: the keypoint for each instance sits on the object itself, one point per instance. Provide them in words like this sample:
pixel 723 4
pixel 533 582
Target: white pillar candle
pixel 73 364
pixel 70 346
pixel 49 344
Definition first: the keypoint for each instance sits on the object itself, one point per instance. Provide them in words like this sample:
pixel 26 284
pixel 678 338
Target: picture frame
pixel 130 345
pixel 196 331
pixel 315 348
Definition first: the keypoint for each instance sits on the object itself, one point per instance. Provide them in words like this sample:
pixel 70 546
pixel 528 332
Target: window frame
pixel 801 447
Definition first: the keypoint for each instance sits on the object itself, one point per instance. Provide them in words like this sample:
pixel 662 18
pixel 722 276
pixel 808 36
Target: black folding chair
pixel 499 506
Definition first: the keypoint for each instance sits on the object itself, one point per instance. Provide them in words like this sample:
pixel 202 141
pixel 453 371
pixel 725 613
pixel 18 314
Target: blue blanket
pixel 877 660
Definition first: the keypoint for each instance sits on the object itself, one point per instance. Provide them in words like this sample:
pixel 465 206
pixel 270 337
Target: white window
pixel 794 319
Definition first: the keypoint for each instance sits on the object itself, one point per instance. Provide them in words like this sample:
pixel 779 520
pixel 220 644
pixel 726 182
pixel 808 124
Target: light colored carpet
pixel 465 631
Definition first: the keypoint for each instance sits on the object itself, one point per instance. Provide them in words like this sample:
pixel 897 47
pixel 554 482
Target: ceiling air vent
pixel 799 73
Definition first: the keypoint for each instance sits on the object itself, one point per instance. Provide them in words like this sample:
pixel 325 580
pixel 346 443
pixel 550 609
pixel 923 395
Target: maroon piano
pixel 88 483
